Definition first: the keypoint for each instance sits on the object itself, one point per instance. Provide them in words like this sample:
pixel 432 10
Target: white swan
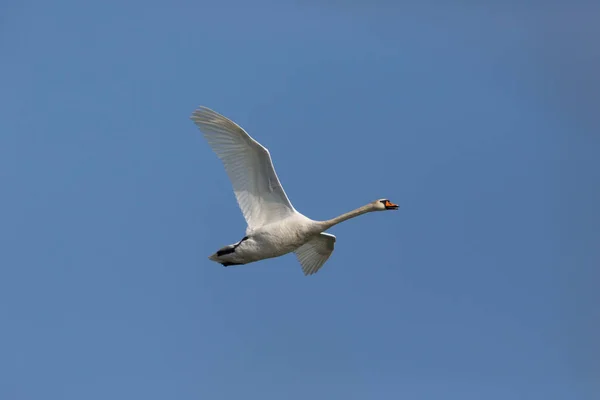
pixel 274 227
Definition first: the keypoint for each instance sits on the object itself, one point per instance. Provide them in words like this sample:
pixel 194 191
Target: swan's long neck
pixel 354 213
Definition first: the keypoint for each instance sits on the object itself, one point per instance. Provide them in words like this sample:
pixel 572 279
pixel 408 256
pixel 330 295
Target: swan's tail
pixel 222 260
pixel 225 256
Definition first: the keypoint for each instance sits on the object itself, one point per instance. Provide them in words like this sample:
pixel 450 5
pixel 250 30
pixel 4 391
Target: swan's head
pixel 384 204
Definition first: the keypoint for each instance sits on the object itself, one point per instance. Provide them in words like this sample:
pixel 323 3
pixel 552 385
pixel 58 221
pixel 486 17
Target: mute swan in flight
pixel 274 227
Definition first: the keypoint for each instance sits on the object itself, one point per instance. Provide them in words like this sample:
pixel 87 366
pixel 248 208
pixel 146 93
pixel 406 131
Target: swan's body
pixel 274 227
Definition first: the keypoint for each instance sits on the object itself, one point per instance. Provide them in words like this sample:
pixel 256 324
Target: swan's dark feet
pixel 231 248
pixel 227 263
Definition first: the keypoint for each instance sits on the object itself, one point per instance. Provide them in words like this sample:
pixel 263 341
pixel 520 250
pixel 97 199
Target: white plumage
pixel 274 227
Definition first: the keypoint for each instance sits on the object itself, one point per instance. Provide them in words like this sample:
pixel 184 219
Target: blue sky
pixel 481 122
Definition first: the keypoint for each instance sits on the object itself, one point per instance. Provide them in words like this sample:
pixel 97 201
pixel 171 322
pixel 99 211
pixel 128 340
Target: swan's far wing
pixel 313 254
pixel 249 167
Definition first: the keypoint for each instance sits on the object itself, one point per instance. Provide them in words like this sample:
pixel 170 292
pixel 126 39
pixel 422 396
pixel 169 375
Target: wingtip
pixel 202 108
pixel 203 114
pixel 197 111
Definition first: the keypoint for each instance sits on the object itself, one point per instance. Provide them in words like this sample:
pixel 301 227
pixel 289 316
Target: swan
pixel 274 226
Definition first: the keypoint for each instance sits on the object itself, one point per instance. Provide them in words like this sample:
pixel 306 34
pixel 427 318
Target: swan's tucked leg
pixel 313 254
pixel 220 255
pixel 227 263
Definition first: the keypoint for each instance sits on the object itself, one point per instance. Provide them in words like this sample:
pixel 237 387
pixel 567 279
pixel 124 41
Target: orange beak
pixel 391 206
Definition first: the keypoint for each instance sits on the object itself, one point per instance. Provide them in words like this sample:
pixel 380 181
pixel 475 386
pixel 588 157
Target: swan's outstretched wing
pixel 249 167
pixel 313 254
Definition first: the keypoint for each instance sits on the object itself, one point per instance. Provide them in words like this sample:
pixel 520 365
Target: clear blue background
pixel 480 121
